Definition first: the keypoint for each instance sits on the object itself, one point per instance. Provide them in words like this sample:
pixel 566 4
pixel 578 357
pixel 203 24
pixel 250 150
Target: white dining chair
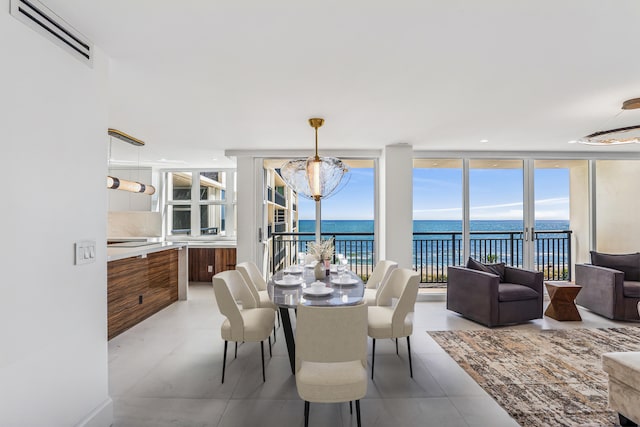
pixel 247 324
pixel 391 317
pixel 258 286
pixel 331 355
pixel 377 280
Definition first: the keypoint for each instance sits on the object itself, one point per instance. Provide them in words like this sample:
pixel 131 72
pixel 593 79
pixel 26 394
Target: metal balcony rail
pixel 434 251
pixel 358 248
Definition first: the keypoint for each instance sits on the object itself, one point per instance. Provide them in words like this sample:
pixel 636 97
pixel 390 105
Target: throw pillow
pixel 629 264
pixel 497 269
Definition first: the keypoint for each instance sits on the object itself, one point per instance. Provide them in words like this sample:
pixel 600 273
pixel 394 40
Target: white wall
pixel 618 204
pixel 396 198
pixel 579 214
pixel 53 320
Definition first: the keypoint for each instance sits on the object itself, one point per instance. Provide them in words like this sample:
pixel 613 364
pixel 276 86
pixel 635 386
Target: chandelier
pixel 617 136
pixel 315 177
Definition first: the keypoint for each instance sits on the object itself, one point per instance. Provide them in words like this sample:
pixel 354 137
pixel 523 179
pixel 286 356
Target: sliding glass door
pixel 496 213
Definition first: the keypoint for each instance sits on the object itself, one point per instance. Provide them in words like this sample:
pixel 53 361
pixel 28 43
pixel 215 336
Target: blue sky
pixel 437 194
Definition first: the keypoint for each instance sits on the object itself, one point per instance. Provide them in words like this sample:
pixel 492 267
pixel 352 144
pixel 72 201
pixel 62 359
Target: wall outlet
pixel 210 269
pixel 85 251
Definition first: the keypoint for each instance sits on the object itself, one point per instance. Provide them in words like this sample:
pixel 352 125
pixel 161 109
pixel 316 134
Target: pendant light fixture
pixel 115 183
pixel 618 135
pixel 315 177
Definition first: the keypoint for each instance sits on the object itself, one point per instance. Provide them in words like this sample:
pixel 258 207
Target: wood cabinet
pixel 204 263
pixel 139 287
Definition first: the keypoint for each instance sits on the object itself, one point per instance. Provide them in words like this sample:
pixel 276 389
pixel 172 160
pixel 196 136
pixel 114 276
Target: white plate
pixel 296 282
pixel 294 270
pixel 350 281
pixel 317 292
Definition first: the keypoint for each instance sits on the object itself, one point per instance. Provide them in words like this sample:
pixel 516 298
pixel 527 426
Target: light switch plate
pixel 85 251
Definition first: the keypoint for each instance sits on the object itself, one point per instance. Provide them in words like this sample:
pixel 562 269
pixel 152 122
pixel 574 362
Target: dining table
pixel 295 285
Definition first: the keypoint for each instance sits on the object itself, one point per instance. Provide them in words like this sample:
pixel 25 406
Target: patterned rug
pixel 546 378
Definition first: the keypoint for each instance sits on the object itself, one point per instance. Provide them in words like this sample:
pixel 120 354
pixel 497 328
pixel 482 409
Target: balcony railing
pixel 434 251
pixel 358 248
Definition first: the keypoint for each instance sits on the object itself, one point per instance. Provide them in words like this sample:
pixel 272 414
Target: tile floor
pixel 166 371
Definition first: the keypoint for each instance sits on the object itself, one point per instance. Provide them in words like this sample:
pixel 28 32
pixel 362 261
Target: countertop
pixel 115 253
pixel 211 244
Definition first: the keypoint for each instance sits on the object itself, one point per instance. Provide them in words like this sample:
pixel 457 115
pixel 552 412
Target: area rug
pixel 542 378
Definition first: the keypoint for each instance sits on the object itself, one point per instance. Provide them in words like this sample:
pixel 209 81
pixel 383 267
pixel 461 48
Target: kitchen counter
pixel 116 251
pixel 142 279
pixel 211 244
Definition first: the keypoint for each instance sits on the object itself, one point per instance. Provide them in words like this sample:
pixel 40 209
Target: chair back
pixel 331 334
pixel 380 274
pixel 229 287
pixel 251 274
pixel 403 286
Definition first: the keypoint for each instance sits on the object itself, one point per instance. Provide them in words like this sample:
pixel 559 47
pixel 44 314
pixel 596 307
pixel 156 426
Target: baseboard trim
pixel 101 416
pixel 431 296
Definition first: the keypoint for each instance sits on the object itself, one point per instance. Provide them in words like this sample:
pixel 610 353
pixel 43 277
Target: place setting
pixel 289 280
pixel 317 289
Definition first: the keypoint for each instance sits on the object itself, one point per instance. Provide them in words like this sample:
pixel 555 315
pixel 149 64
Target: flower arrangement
pixel 322 250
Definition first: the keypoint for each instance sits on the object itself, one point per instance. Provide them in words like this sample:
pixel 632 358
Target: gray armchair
pixel 612 287
pixel 481 297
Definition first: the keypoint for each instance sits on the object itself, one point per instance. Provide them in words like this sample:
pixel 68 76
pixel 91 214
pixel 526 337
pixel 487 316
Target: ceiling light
pixel 314 177
pixel 484 140
pixel 115 183
pixel 133 186
pixel 615 136
pixel 124 137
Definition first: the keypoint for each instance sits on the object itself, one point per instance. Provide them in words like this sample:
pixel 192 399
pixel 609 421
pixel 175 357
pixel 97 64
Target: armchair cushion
pixel 631 289
pixel 514 292
pixel 497 269
pixel 629 264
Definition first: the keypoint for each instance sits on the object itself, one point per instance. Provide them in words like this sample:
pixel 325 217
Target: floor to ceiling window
pixel 347 216
pixel 496 221
pixel 522 212
pixel 199 203
pixel 437 218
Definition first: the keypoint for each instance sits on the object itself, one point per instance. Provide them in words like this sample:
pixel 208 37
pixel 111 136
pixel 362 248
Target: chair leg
pixel 396 346
pixel 262 353
pixel 358 411
pixel 373 357
pixel 351 407
pixel 270 354
pixel 274 334
pixel 279 321
pixel 306 414
pixel 224 359
pixel 409 351
pixel 236 355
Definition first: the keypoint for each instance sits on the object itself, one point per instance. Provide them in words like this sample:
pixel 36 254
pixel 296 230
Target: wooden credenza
pixel 138 287
pixel 204 263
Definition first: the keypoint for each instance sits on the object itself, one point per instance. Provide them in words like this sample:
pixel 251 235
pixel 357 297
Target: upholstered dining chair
pixel 331 355
pixel 258 287
pixel 247 324
pixel 377 280
pixel 390 318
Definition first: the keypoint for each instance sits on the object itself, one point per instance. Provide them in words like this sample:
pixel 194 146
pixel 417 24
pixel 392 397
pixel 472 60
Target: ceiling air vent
pixel 42 19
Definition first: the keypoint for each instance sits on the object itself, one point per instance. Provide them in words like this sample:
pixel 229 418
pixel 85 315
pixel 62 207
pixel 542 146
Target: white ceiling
pixel 194 77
